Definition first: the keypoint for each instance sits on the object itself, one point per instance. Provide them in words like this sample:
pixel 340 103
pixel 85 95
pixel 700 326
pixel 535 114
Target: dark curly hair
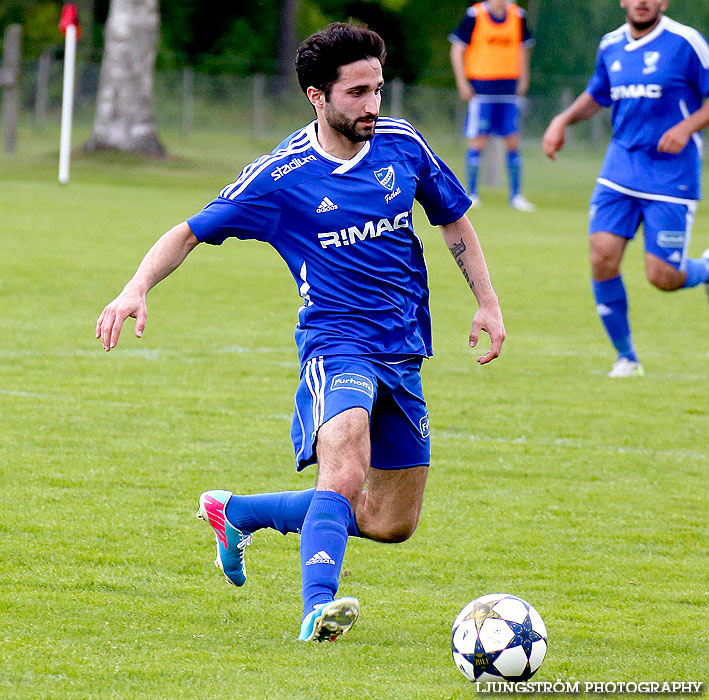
pixel 319 57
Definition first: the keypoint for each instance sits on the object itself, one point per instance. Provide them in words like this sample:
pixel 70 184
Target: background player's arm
pixel 584 107
pixel 675 139
pixel 457 54
pixel 462 241
pixel 164 257
pixel 523 79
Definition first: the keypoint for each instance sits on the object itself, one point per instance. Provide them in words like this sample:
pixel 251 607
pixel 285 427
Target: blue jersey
pixel 345 230
pixel 651 84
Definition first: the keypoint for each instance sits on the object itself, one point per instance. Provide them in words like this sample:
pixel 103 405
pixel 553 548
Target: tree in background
pixel 125 105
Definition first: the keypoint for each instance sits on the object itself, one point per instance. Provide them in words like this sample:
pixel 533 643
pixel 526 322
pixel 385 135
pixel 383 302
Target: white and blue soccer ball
pixel 499 637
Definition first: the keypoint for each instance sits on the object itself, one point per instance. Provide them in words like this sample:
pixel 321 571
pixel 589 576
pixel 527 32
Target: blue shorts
pixel 667 225
pixel 390 393
pixel 485 117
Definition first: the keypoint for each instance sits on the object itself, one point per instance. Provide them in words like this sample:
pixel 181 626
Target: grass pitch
pixel 583 495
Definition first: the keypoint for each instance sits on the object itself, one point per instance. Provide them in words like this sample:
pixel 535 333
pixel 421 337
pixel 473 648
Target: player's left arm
pixel 523 79
pixel 462 241
pixel 676 138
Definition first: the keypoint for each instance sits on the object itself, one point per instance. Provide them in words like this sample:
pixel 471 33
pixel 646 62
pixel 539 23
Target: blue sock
pixel 322 547
pixel 283 511
pixel 612 306
pixel 697 271
pixel 514 171
pixel 472 165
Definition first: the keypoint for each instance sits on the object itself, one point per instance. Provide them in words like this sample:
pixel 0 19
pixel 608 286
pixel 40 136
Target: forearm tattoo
pixel 457 250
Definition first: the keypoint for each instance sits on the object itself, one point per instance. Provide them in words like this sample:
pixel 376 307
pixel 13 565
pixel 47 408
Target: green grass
pixel 583 495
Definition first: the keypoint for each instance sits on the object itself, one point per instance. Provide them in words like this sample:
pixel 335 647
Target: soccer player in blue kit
pixel 335 200
pixel 654 74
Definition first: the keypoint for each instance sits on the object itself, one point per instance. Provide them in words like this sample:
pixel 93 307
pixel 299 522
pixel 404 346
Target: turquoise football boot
pixel 231 541
pixel 329 620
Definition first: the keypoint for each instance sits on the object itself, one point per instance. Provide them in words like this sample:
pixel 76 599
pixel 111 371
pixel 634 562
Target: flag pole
pixel 69 24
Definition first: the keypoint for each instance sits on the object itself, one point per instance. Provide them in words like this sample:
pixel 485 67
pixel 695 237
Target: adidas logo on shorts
pixel 326 205
pixel 322 557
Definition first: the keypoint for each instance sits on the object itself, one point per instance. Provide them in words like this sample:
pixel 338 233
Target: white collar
pixel 634 44
pixel 344 165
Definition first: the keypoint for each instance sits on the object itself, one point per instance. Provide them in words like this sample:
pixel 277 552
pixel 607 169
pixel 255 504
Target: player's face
pixel 353 106
pixel 643 14
pixel 498 7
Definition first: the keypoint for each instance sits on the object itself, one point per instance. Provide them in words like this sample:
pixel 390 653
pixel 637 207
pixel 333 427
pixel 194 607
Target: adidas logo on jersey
pixel 615 67
pixel 326 205
pixel 322 557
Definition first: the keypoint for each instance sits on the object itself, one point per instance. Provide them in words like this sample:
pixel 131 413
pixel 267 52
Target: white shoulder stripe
pixel 249 168
pixel 411 134
pixel 298 145
pixel 613 37
pixel 297 140
pixel 693 37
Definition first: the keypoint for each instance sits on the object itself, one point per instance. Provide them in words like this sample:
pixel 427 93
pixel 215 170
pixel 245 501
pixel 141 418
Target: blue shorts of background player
pixel 614 218
pixel 391 394
pixel 667 225
pixel 494 115
pixel 487 118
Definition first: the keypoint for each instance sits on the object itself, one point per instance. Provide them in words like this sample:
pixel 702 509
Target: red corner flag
pixel 70 15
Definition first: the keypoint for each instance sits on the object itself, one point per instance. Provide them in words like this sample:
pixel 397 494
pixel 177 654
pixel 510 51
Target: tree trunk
pixel 287 44
pixel 125 106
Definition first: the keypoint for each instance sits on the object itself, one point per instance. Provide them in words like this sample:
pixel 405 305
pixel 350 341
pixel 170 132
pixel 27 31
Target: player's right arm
pixel 164 257
pixel 584 107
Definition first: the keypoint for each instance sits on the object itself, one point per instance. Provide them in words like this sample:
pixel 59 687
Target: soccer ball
pixel 499 637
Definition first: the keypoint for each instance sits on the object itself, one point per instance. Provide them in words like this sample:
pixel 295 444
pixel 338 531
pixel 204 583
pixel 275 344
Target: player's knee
pixel 393 532
pixel 663 276
pixel 604 265
pixel 395 535
pixel 665 282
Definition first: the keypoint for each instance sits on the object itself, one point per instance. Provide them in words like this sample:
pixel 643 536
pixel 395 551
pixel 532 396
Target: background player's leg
pixel 697 271
pixel 343 451
pixel 514 165
pixel 389 510
pixel 663 275
pixel 609 291
pixel 472 165
pixel 668 230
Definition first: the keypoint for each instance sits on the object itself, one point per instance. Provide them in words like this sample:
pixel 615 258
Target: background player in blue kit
pixel 654 74
pixel 335 200
pixel 490 58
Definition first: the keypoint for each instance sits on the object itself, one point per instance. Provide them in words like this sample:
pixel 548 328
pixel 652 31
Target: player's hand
pixel 466 92
pixel 674 140
pixel 128 303
pixel 490 321
pixel 554 137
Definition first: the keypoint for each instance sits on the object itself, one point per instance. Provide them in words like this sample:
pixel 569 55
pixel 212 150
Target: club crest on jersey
pixel 386 177
pixel 651 58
